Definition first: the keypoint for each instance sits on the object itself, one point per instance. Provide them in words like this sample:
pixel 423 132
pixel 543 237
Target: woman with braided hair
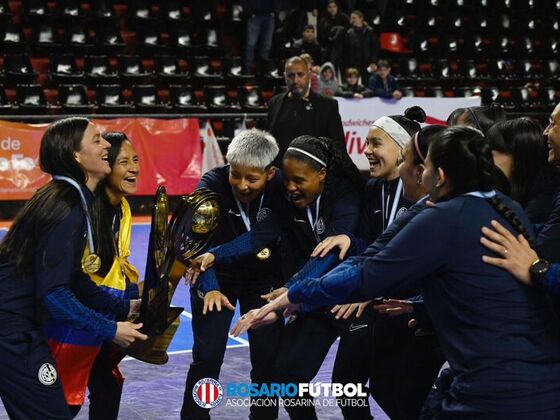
pixel 498 335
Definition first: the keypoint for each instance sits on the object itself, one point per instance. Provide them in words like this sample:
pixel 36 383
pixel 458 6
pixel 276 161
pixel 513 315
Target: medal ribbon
pixel 395 204
pixel 310 217
pixel 244 216
pixel 84 206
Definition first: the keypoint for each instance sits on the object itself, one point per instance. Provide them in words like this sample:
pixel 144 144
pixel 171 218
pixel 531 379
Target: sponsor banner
pixel 170 154
pixel 358 114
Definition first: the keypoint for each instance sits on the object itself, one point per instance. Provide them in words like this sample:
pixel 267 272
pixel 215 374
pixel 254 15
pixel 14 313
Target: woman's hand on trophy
pixel 343 242
pixel 217 299
pixel 127 333
pixel 248 321
pixel 269 297
pixel 198 265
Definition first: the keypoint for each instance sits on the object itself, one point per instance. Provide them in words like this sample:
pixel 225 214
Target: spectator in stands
pixel 313 72
pixel 260 26
pixel 308 44
pixel 383 83
pixel 334 17
pixel 353 88
pixel 330 33
pixel 300 111
pixel 361 45
pixel 328 83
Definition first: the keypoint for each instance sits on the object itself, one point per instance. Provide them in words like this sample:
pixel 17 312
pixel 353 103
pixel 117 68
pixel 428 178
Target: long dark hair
pixel 480 117
pixel 103 210
pixel 466 158
pixel 52 203
pixel 522 139
pixel 338 163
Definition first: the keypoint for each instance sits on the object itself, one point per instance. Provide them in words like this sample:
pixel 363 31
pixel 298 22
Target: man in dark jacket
pixel 300 111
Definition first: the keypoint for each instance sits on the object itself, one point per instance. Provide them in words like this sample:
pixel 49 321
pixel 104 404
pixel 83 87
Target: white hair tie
pixel 394 130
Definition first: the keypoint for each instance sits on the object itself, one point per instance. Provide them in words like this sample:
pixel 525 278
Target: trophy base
pixel 154 349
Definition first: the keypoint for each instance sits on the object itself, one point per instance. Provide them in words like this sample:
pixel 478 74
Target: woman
pixel 319 201
pixel 121 277
pixel 519 150
pixel 480 117
pixel 41 263
pixel 361 46
pixel 383 197
pixel 112 225
pixel 497 334
pixel 330 33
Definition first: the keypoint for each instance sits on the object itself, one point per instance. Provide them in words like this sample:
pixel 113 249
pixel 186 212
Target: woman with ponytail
pixel 383 196
pixel 498 335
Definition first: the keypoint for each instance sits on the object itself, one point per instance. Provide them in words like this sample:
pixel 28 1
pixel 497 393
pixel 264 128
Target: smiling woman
pixel 42 263
pixel 112 225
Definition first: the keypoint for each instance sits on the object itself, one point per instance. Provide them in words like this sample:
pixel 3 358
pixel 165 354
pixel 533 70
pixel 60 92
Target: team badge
pixel 401 211
pixel 263 214
pixel 47 374
pixel 320 226
pixel 208 393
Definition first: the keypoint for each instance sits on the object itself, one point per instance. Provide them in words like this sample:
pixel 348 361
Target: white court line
pixel 172 353
pixel 238 339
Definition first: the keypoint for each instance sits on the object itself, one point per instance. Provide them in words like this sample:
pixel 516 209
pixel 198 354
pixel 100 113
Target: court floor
pixel 156 392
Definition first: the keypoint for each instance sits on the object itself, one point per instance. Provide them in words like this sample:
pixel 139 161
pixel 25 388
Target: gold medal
pixel 264 254
pixel 91 263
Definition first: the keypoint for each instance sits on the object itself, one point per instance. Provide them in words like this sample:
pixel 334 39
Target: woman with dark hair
pixel 111 219
pixel 321 199
pixel 383 198
pixel 519 152
pixel 42 266
pixel 330 32
pixel 479 117
pixel 361 46
pixel 499 336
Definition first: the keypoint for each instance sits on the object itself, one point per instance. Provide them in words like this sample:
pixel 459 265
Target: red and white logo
pixel 208 393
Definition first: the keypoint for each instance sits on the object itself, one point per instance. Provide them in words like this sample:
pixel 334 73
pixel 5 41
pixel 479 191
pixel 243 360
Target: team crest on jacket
pixel 263 214
pixel 207 393
pixel 320 226
pixel 47 374
pixel 401 211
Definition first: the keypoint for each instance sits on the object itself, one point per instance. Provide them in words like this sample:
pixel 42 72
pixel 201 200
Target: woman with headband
pixel 43 266
pixel 499 336
pixel 320 201
pixel 383 195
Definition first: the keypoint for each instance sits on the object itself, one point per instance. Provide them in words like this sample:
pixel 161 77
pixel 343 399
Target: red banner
pixel 170 154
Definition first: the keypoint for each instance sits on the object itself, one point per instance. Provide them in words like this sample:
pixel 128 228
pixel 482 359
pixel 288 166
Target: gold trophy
pixel 172 245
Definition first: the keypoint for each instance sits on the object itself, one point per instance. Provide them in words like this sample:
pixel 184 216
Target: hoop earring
pixel 419 181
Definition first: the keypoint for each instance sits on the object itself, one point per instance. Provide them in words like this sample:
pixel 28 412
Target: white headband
pixel 393 129
pixel 315 158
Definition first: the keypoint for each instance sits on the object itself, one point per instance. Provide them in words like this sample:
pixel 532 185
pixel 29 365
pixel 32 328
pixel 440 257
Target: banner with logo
pixel 358 114
pixel 170 154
